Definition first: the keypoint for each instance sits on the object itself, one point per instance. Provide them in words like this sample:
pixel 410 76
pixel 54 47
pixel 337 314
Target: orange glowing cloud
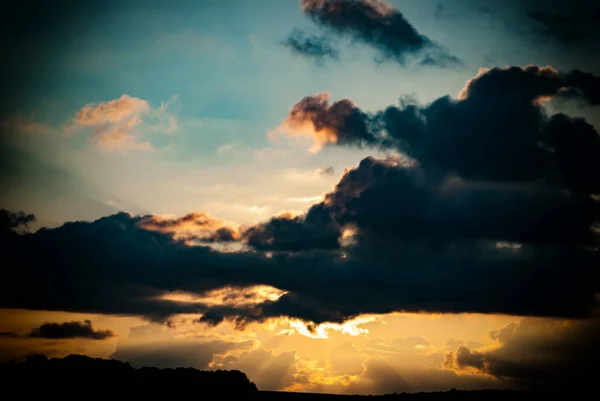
pixel 125 108
pixel 115 123
pixel 314 117
pixel 289 214
pixel 194 227
pixel 230 296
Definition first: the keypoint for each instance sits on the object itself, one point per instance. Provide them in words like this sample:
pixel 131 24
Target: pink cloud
pixel 116 124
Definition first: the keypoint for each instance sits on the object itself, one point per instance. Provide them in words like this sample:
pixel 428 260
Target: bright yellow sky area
pixel 371 354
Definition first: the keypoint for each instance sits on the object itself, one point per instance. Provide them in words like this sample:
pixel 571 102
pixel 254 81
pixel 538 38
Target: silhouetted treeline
pixel 67 377
pixel 77 376
pixel 453 395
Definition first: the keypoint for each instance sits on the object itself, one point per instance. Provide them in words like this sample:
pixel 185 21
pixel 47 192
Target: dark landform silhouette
pixel 69 376
pixel 76 376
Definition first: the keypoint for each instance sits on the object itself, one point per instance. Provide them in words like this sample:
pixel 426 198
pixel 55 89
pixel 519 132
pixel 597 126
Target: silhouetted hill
pixel 67 376
pixel 76 376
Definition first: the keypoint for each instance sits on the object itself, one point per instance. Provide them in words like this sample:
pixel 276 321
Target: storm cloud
pixel 493 212
pixel 314 230
pixel 495 130
pixel 374 23
pixel 538 354
pixel 449 269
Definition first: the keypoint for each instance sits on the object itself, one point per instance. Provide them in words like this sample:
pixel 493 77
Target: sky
pixel 338 196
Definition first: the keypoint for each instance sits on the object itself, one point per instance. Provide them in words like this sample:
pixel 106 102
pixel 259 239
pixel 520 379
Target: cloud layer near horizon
pixel 536 354
pixel 70 330
pixel 451 232
pixel 494 214
pixel 489 206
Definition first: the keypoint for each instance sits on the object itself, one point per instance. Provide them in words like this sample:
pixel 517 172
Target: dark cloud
pixel 121 254
pixel 428 252
pixel 504 334
pixel 314 230
pixel 556 26
pixel 377 24
pixel 565 22
pixel 493 214
pixel 317 48
pixel 401 203
pixel 223 234
pixel 497 129
pixel 9 334
pixel 583 86
pixel 577 146
pixel 541 354
pixel 70 330
pixel 463 358
pixel 564 26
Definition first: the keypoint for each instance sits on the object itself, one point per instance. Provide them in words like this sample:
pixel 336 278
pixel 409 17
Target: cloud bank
pixel 536 354
pixel 70 330
pixel 496 213
pixel 495 130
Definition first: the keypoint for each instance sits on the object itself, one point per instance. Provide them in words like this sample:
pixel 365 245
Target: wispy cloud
pixel 374 23
pixel 116 124
pixel 317 48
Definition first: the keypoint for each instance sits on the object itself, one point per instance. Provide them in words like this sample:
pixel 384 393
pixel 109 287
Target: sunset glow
pixel 330 196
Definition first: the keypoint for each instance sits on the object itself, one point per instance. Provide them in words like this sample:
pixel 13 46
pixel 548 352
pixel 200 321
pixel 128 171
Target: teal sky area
pixel 217 79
